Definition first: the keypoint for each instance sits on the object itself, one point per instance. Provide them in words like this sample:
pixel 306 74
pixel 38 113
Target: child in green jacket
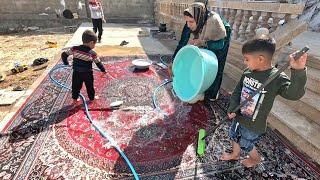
pixel 250 122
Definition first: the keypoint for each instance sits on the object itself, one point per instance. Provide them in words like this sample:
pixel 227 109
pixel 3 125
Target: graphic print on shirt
pixel 249 86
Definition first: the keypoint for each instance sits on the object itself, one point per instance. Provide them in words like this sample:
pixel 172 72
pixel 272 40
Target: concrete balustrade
pixel 244 17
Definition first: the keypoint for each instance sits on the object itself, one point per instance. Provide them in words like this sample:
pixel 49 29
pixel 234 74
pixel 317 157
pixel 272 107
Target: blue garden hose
pixel 96 127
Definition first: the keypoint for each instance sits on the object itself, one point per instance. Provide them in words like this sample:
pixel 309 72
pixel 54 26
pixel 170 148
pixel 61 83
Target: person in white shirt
pixel 97 17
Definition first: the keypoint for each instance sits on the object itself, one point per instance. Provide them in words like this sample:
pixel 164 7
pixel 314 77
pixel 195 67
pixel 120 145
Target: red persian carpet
pixel 51 139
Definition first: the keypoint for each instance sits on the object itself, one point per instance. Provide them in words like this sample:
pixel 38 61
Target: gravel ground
pixel 25 47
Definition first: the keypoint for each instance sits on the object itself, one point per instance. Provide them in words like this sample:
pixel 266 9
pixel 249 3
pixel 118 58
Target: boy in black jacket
pixel 83 56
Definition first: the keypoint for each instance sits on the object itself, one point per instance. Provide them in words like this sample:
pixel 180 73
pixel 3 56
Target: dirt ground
pixel 24 48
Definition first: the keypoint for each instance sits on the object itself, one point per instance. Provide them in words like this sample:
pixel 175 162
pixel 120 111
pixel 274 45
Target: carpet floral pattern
pixel 51 139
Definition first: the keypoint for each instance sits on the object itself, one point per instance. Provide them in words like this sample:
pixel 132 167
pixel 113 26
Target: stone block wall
pixel 15 14
pixel 129 10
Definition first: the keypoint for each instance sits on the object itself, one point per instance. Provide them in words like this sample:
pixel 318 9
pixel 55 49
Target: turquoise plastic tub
pixel 194 70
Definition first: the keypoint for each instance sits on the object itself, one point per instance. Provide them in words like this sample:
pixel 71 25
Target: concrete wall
pixel 31 9
pixel 130 10
pixel 15 14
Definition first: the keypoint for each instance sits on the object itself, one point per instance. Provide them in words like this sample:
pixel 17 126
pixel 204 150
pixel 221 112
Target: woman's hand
pixel 196 42
pixel 191 42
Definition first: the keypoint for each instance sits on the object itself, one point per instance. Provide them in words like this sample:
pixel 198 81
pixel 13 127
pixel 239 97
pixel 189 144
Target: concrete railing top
pixel 284 8
pixel 244 18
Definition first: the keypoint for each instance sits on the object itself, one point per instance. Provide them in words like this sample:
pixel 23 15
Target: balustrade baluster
pixel 237 24
pixel 263 22
pixel 253 23
pixel 275 22
pixel 244 25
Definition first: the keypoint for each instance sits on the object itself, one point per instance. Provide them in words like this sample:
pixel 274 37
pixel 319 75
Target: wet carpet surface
pixel 51 139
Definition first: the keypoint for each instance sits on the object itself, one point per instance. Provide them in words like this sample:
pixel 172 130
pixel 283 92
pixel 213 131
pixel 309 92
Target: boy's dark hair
pixel 89 36
pixel 266 45
pixel 186 13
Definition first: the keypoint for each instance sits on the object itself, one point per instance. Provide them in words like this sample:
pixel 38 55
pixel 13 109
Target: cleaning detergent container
pixel 194 70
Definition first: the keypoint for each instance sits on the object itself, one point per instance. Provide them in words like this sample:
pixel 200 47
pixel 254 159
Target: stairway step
pixel 235 60
pixel 313 61
pixel 233 71
pixel 228 83
pixel 314 73
pixel 298 129
pixel 308 105
pixel 313 82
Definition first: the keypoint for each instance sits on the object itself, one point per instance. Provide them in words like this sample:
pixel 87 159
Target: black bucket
pixel 163 27
pixel 67 14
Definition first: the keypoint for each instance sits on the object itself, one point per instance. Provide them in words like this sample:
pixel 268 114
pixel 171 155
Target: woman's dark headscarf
pixel 199 12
